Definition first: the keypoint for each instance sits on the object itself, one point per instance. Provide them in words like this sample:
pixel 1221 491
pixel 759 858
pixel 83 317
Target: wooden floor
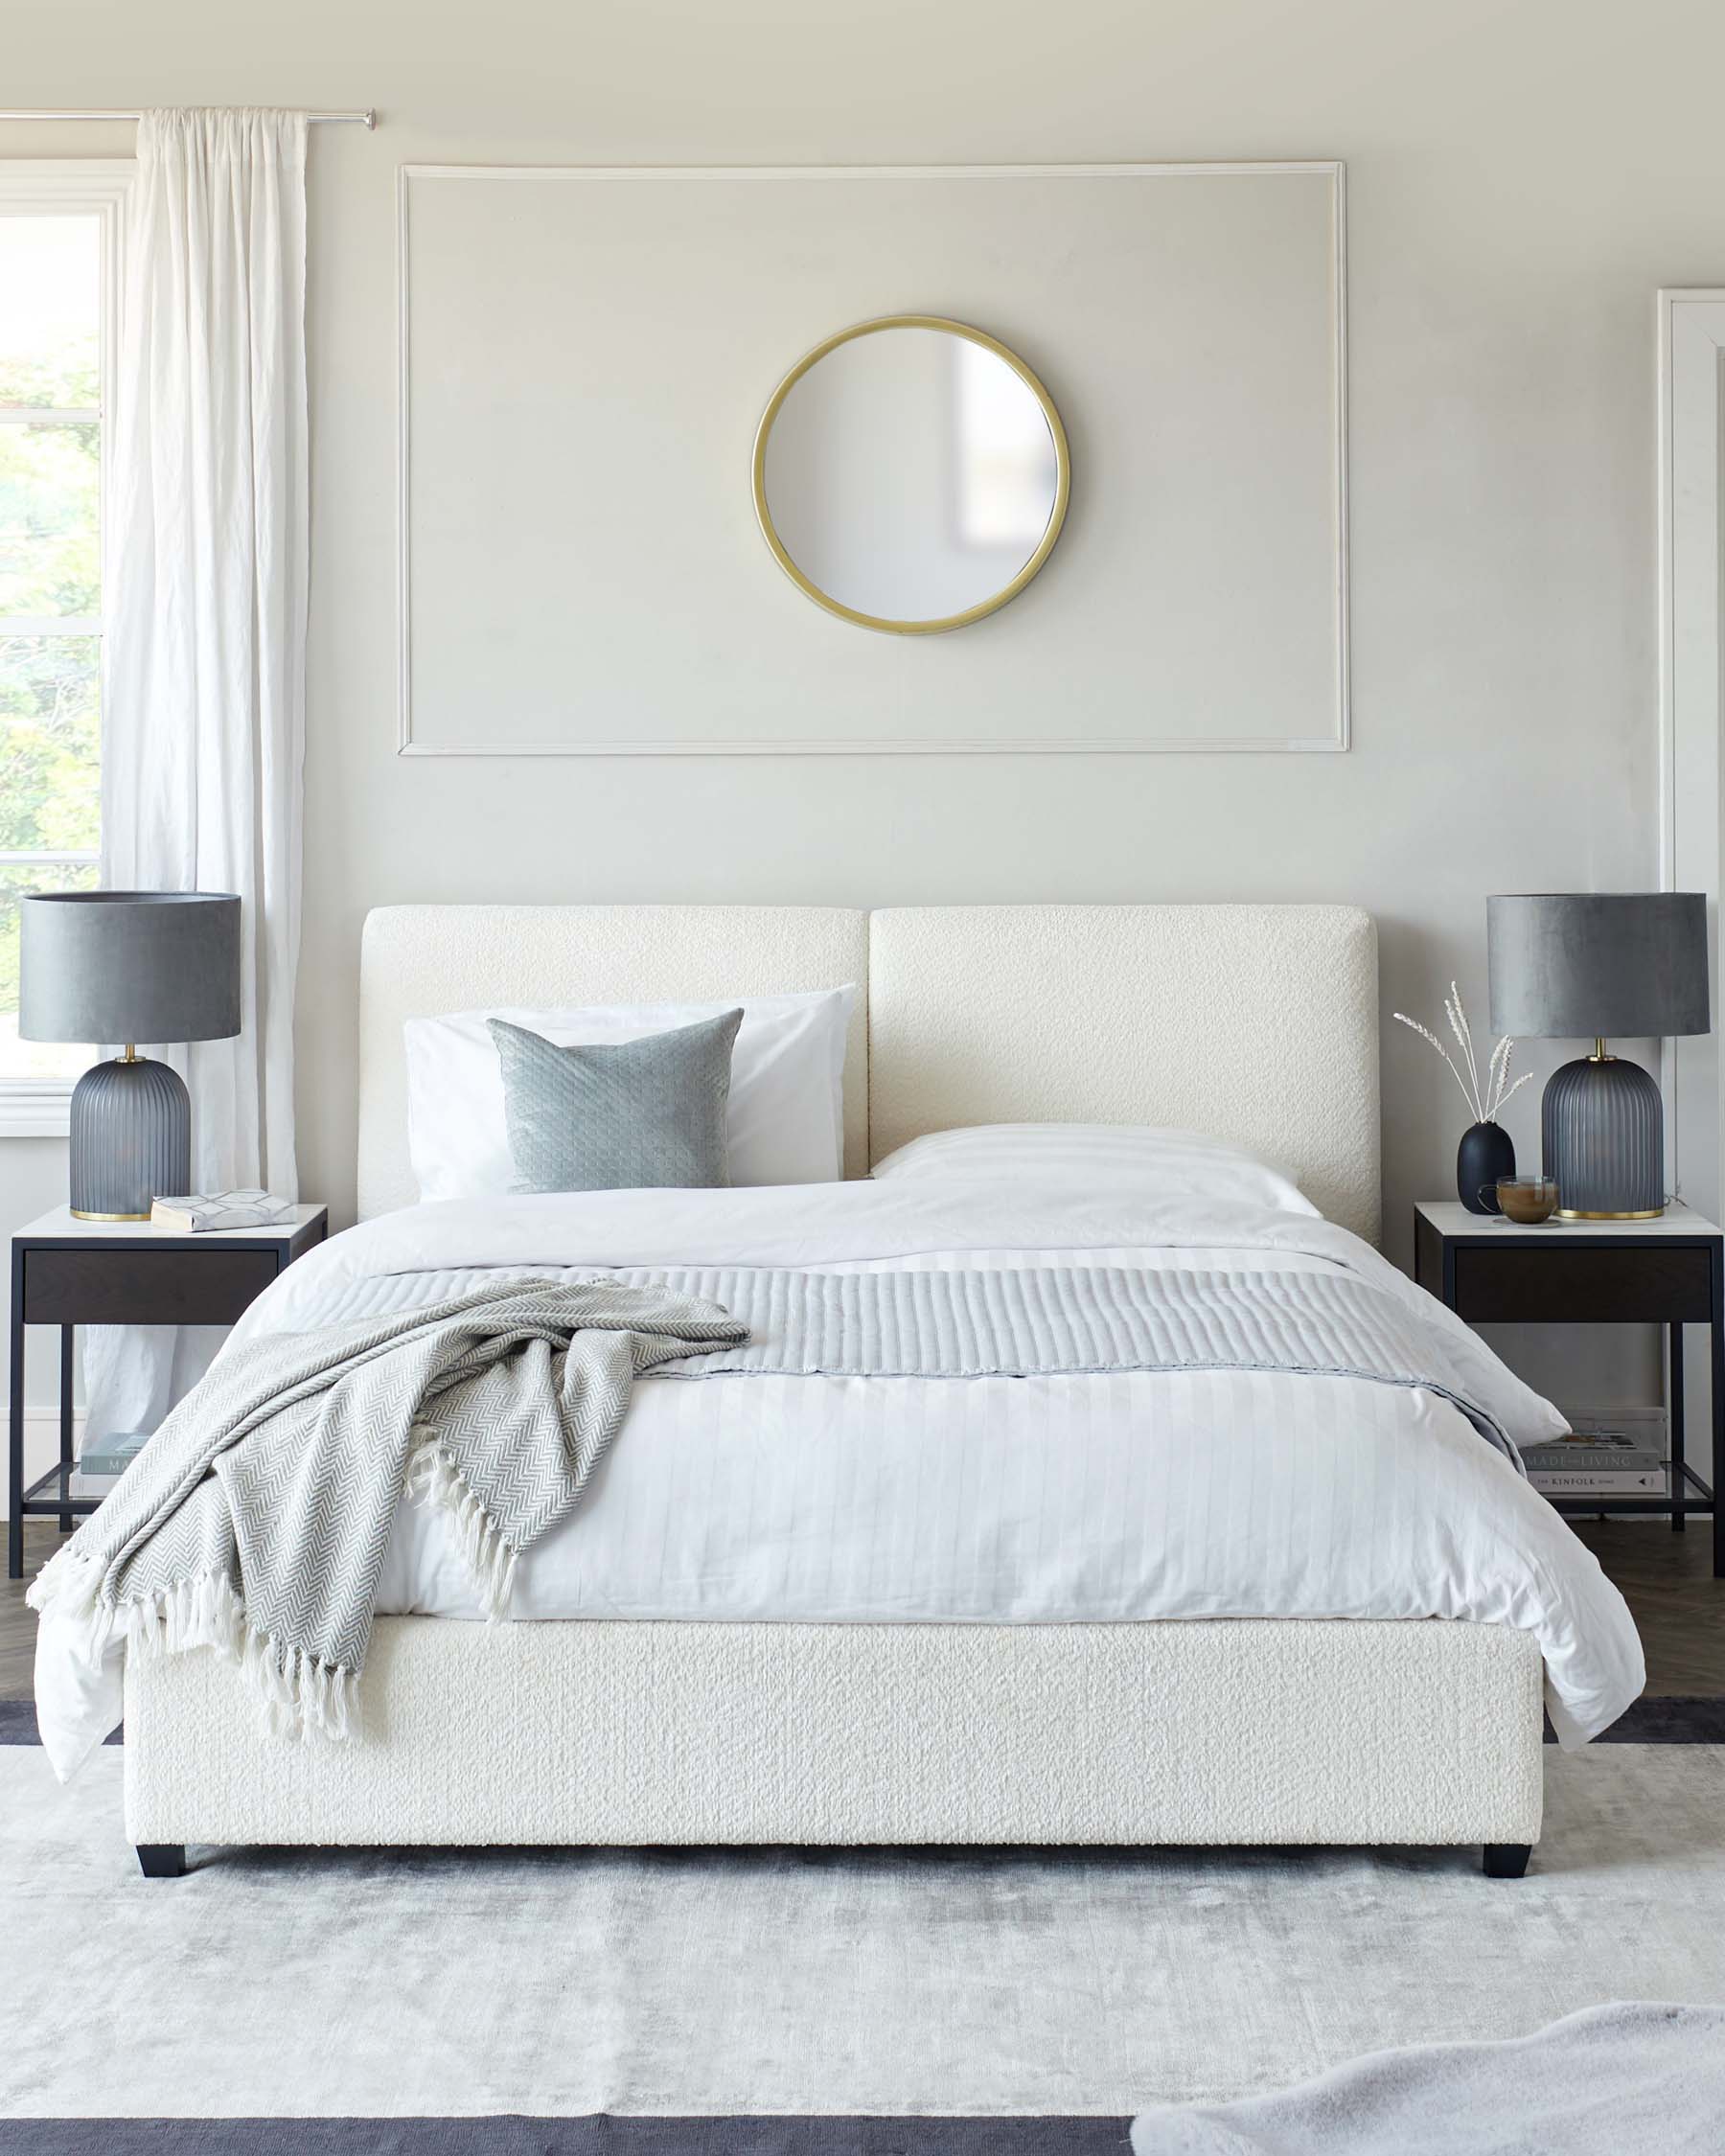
pixel 1666 1580
pixel 1678 1605
pixel 17 1621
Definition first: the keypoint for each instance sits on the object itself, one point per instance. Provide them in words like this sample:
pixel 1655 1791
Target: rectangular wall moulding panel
pixel 586 356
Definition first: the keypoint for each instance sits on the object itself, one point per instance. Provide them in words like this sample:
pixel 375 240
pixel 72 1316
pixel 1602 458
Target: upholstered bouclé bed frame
pixel 1256 1023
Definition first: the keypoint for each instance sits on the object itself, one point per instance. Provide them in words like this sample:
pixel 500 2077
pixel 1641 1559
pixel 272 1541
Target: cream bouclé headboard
pixel 1252 1023
pixel 1256 1023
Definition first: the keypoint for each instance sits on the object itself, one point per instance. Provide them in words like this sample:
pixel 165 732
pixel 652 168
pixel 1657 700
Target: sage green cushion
pixel 645 1114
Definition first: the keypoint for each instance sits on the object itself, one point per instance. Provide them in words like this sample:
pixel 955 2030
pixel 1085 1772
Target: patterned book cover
pixel 218 1208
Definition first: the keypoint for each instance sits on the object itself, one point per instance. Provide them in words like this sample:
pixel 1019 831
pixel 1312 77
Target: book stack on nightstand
pixel 1667 1271
pixel 101 1464
pixel 1610 1452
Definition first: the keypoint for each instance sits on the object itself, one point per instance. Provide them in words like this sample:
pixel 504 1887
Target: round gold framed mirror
pixel 912 474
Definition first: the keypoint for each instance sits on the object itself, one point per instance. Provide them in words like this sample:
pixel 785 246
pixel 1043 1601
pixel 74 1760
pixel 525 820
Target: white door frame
pixel 1691 689
pixel 1692 720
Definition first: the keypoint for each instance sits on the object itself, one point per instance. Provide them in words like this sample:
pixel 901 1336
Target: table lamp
pixel 1591 965
pixel 129 966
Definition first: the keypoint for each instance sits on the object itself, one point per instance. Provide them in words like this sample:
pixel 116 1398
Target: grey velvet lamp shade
pixel 129 966
pixel 1589 965
pixel 1581 965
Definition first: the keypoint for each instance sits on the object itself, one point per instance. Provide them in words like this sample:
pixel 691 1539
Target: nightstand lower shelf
pixel 1679 1507
pixel 60 1480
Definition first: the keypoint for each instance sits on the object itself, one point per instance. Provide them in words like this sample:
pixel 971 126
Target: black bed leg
pixel 1502 1860
pixel 162 1860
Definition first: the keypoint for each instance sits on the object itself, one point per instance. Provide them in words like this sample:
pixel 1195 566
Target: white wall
pixel 612 343
pixel 1521 179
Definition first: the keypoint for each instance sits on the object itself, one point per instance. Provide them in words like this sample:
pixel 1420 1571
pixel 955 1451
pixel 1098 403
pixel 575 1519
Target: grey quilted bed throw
pixel 256 1519
pixel 1037 1320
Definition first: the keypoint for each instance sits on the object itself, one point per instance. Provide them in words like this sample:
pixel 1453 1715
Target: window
pixel 57 277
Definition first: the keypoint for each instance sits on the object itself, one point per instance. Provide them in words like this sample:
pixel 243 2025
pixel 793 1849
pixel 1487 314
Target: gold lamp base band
pixel 77 1215
pixel 1654 1213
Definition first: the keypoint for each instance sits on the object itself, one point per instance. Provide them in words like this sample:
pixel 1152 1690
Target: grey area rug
pixel 1609 2083
pixel 855 1990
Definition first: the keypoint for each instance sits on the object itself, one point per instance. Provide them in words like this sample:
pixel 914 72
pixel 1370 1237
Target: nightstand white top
pixel 63 1225
pixel 1450 1217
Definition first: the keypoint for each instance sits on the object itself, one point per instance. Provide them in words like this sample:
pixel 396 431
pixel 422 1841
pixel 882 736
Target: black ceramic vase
pixel 1483 1158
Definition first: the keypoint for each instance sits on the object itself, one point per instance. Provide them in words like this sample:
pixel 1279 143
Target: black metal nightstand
pixel 1667 1271
pixel 68 1273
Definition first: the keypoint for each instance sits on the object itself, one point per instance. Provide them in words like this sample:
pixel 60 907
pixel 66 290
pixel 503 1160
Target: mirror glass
pixel 910 474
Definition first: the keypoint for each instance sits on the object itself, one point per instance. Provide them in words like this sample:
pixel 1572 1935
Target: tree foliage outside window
pixel 51 406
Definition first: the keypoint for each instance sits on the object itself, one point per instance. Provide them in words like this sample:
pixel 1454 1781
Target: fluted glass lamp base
pixel 1603 1124
pixel 130 1138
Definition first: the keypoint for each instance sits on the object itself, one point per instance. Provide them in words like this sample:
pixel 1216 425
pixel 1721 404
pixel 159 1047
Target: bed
pixel 1384 1699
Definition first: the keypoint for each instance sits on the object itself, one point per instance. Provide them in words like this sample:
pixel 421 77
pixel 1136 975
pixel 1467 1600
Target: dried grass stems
pixel 1484 1100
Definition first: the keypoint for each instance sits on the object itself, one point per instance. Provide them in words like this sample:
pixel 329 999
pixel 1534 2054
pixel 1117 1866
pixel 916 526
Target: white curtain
pixel 203 723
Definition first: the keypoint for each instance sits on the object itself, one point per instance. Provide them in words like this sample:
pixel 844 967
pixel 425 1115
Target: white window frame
pixel 39 1107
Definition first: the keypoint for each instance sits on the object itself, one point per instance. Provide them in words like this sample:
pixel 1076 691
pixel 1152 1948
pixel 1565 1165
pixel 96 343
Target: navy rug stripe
pixel 1665 1721
pixel 598 2135
pixel 18 1723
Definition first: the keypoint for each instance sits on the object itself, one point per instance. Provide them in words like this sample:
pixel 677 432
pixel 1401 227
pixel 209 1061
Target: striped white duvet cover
pixel 1039 1500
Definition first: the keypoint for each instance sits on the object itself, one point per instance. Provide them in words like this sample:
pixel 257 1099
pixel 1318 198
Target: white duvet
pixel 1041 1500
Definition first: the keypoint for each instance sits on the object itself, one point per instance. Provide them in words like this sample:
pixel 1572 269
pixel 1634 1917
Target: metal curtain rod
pixel 366 119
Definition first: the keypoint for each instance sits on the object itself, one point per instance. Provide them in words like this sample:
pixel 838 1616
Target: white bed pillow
pixel 1168 1164
pixel 786 1118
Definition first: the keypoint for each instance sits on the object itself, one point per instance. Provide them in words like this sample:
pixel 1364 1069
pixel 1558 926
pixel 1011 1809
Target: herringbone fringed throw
pixel 256 1519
